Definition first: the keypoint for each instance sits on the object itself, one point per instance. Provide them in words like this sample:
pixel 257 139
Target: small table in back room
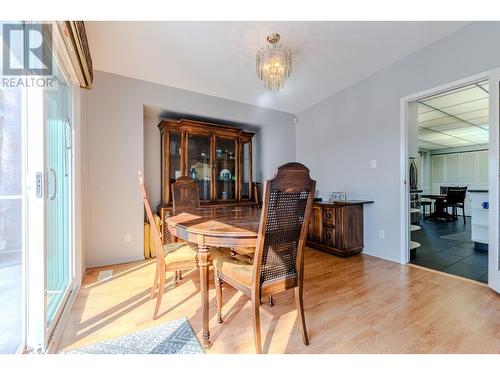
pixel 440 206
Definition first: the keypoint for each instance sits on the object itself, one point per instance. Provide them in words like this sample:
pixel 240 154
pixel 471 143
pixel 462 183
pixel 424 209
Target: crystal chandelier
pixel 274 63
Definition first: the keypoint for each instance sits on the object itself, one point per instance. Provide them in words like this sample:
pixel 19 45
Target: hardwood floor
pixel 360 304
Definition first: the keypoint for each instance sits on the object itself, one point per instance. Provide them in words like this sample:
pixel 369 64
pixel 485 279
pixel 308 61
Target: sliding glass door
pixel 37 270
pixel 58 171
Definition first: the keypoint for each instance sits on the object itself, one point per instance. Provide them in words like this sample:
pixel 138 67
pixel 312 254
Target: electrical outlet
pixel 381 234
pixel 128 237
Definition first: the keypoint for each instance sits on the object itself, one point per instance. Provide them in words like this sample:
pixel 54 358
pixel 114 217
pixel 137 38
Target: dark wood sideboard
pixel 337 227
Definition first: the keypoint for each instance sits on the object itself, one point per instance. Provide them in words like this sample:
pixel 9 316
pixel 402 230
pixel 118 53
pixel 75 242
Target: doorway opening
pixel 448 150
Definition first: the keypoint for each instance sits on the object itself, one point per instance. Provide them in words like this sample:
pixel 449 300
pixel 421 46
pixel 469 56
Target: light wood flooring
pixel 360 304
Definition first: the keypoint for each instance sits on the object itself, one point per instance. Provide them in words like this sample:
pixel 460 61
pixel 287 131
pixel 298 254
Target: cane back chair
pixel 185 194
pixel 176 256
pixel 278 263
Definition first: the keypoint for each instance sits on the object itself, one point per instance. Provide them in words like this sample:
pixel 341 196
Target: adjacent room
pixel 449 148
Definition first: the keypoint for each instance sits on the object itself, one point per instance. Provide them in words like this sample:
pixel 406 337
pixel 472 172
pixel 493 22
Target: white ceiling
pixel 455 118
pixel 218 58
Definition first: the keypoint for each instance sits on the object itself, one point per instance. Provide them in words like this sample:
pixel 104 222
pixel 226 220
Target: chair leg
pixel 180 275
pixel 161 290
pixel 270 301
pixel 175 278
pixel 463 213
pixel 218 297
pixel 256 324
pixel 155 282
pixel 300 311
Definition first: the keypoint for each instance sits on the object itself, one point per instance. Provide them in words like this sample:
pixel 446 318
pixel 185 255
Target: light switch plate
pixel 373 163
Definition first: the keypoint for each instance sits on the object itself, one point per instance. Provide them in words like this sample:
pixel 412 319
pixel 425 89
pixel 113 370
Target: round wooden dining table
pixel 230 226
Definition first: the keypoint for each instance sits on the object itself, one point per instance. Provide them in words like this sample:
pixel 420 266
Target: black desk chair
pixel 455 198
pixel 424 204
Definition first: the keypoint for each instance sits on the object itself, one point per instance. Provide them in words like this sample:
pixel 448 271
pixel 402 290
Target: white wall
pixel 339 136
pixel 115 151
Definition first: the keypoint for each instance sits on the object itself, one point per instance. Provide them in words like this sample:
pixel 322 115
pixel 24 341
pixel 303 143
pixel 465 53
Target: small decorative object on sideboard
pixel 337 196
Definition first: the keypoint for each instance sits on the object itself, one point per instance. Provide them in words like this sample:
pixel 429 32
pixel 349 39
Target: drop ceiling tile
pixel 459 143
pixel 467 107
pixel 475 105
pixel 472 115
pixel 467 136
pixel 438 138
pixel 452 126
pixel 430 146
pixel 441 120
pixel 461 96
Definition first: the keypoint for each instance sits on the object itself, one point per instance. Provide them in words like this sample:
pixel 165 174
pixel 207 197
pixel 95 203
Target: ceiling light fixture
pixel 274 63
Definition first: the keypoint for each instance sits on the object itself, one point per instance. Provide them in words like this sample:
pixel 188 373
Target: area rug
pixel 175 337
pixel 462 236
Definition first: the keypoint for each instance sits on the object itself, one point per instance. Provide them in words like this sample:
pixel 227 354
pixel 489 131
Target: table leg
pixel 203 266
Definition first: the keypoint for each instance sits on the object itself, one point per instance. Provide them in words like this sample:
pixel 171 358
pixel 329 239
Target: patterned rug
pixel 175 337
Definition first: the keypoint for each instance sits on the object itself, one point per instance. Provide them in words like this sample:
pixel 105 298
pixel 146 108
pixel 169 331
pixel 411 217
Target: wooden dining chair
pixel 278 263
pixel 185 194
pixel 171 256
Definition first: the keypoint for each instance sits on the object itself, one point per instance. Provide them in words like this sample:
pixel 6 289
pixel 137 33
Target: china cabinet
pixel 217 157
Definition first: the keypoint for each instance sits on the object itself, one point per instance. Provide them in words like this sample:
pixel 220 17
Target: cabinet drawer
pixel 328 236
pixel 328 216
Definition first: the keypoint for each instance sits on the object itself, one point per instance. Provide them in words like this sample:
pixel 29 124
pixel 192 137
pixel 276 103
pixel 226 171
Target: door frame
pixel 493 167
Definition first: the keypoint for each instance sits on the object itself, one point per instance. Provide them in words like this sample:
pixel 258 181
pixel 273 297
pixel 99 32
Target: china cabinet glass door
pixel 245 175
pixel 174 156
pixel 225 168
pixel 199 166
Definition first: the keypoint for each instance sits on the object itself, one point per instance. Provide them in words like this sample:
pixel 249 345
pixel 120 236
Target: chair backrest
pixel 185 194
pixel 287 204
pixel 153 228
pixel 456 194
pixel 443 190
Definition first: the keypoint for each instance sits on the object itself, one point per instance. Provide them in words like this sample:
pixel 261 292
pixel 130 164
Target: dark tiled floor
pixel 451 256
